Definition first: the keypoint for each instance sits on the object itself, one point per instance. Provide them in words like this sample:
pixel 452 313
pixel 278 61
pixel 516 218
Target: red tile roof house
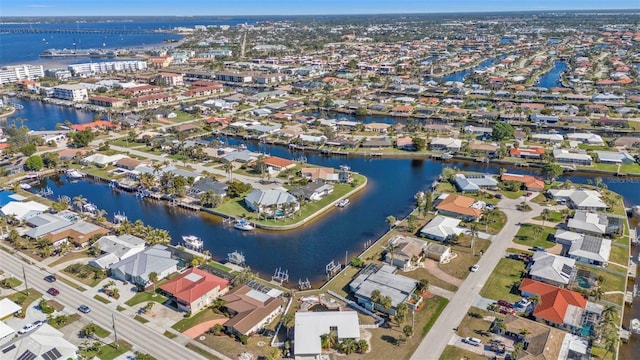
pixel 278 164
pixel 195 289
pixel 252 310
pixel 531 183
pixel 562 308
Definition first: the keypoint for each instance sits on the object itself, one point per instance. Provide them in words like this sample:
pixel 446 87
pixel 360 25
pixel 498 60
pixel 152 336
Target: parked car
pixel 505 303
pixel 39 322
pixel 53 292
pixel 84 309
pixel 498 196
pixel 475 268
pixel 25 329
pixel 50 278
pixel 472 341
pixel 539 248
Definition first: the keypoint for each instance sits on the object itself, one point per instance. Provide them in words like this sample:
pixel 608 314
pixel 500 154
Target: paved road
pixel 442 331
pixel 142 337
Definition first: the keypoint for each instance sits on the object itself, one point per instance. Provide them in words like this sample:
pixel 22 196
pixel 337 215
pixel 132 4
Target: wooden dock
pixel 628 297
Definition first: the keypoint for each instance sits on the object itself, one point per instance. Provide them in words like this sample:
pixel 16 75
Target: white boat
pixel 342 203
pixel 446 156
pixel 635 326
pixel 74 174
pixel 635 211
pixel 244 225
pixel 192 241
pixel 24 186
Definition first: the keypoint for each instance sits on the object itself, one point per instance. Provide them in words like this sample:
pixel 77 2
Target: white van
pixel 472 341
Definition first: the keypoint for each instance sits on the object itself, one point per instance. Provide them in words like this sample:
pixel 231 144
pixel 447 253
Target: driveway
pixel 442 331
pixel 434 269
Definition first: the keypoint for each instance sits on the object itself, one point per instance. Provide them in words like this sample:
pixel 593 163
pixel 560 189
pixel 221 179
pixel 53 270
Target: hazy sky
pixel 289 7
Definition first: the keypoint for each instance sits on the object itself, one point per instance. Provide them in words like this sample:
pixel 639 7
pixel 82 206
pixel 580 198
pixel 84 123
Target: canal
pixel 553 78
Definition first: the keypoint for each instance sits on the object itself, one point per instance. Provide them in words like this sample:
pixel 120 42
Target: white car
pixel 25 329
pixel 475 268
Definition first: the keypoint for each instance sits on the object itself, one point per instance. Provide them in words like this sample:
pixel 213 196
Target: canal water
pixel 460 76
pixel 37 115
pixel 553 77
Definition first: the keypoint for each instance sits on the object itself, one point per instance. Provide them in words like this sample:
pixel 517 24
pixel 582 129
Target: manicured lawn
pixel 474 326
pixel 445 187
pixel 518 251
pixel 527 236
pixel 70 256
pixel 503 282
pixel 21 298
pixel 453 352
pixel 497 224
pixel 85 274
pixel 12 282
pixel 459 267
pixel 109 351
pixel 512 194
pixel 100 332
pixel 435 306
pixel 219 266
pixel 422 273
pixel 619 255
pixel 144 297
pixel 202 316
pixel 70 318
pixel 553 216
pixel 102 299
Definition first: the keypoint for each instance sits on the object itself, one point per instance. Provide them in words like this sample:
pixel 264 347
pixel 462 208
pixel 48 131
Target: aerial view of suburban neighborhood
pixel 332 180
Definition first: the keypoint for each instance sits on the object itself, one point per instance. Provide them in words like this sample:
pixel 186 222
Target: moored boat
pixel 192 241
pixel 74 174
pixel 342 203
pixel 24 186
pixel 635 326
pixel 244 225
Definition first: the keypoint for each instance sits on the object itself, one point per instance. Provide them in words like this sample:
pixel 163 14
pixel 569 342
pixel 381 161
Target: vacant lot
pixel 535 235
pixel 504 281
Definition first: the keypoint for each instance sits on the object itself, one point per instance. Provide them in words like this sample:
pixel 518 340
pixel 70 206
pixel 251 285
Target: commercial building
pixel 12 74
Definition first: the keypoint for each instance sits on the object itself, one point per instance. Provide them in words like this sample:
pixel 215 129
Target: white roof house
pixel 552 138
pixel 449 144
pixel 116 248
pixel 612 157
pixel 382 278
pixel 5 331
pixel 136 268
pixel 8 307
pixel 564 156
pixel 310 326
pixel 587 138
pixel 589 223
pixel 23 210
pixel 103 160
pixel 441 228
pixel 581 199
pixel 591 250
pixel 552 269
pixel 43 343
pixel 474 183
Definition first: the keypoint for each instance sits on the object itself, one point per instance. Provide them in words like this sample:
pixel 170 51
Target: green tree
pixel 407 330
pixel 363 346
pixel 552 171
pixel 401 313
pixel 357 262
pixel 50 159
pixel 501 131
pixel 361 111
pixel 391 220
pixel 153 277
pixel 88 330
pixel 28 149
pixel 237 188
pixel 34 163
pixel 412 222
pixel 348 346
pixel 419 143
pixel 82 138
pixel 328 341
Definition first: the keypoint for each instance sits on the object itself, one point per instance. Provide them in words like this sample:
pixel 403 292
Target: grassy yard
pixel 202 316
pixel 70 256
pixel 11 283
pixel 70 319
pixel 108 351
pixel 527 236
pixel 453 352
pixel 459 267
pixel 497 224
pixel 21 298
pixel 554 216
pixel 619 255
pixel 512 194
pixel 219 266
pixel 202 352
pixel 169 334
pixel 85 274
pixel 102 299
pixel 100 332
pixel 518 251
pixel 144 297
pixel 476 326
pixel 612 282
pixel 503 282
pixel 433 280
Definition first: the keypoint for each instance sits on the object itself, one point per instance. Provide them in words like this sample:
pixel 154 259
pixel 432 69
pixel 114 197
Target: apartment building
pixel 11 74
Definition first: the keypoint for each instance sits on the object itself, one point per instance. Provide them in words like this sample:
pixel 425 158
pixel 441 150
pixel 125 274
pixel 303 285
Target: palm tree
pixel 79 201
pixel 407 331
pixel 609 313
pixel 153 277
pixel 288 320
pixel 391 220
pixel 473 229
pixel 328 341
pixel 348 346
pixel 611 341
pixel 101 215
pixel 401 312
pixel 499 326
pixel 545 215
pixel 228 168
pixel 386 302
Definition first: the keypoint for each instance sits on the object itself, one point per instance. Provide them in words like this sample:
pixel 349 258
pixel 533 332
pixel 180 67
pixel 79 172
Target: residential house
pixel 552 269
pixel 207 184
pixel 379 143
pixel 313 191
pixel 383 278
pixel 319 173
pixel 484 149
pixel 278 164
pixel 526 153
pixel 589 223
pixel 438 252
pixel 23 210
pixel 442 228
pixel 195 289
pixel 586 138
pixel 406 252
pixel 446 144
pixel 251 309
pixel 590 250
pixel 458 206
pixel 530 183
pixel 136 268
pixel 45 343
pixel 548 138
pixel 78 233
pixel 566 157
pixel 270 201
pixel 473 183
pixel 116 248
pixel 311 326
pixel 580 199
pixel 560 307
pixel 541 341
pixel 610 157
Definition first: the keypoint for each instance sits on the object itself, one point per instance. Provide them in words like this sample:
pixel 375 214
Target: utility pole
pixel 26 286
pixel 115 333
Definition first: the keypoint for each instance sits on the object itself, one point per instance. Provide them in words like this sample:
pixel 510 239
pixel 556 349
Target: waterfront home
pixel 94 125
pixel 251 309
pixel 384 279
pixel 313 191
pixel 405 143
pixel 610 157
pixel 541 341
pixel 271 201
pixel 548 138
pixel 45 223
pixel 473 183
pixel 128 163
pixel 535 152
pixel 310 326
pixel 442 228
pixel 207 184
pixel 102 159
pixel 485 149
pixel 107 101
pixel 116 248
pixel 590 250
pixel 560 307
pixel 529 182
pixel 23 210
pixel 195 289
pixel 312 139
pixel 552 269
pixel 628 142
pixel 377 143
pixel 586 138
pixel 78 233
pixel 320 173
pixel 136 268
pixel 564 156
pixel 580 199
pixel 278 164
pixel 244 156
pixel 438 252
pixel 458 206
pixel 45 342
pixel 446 144
pixel 71 92
pixel 406 252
